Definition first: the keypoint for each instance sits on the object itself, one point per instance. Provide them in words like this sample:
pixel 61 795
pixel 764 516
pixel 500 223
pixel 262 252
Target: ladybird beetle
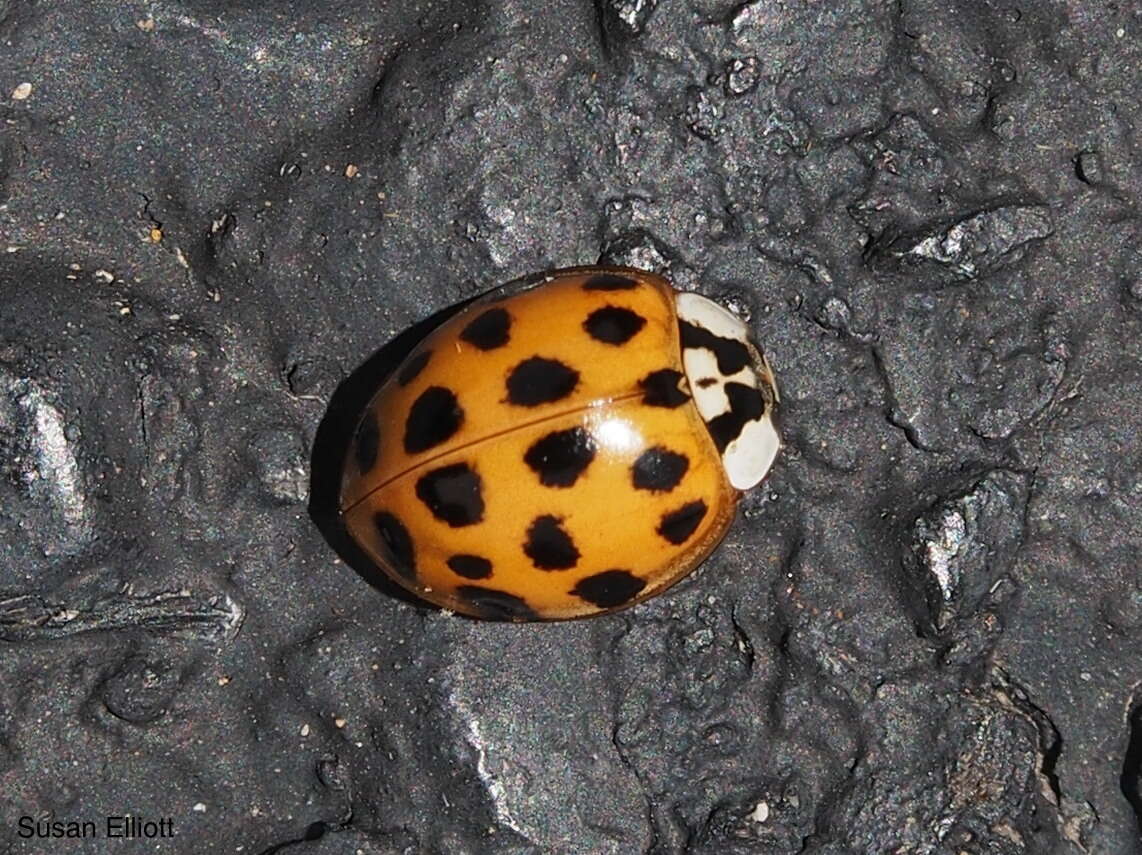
pixel 563 449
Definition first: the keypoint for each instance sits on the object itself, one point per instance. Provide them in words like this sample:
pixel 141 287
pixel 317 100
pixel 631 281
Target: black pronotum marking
pixel 435 416
pixel 610 588
pixel 413 367
pixel 453 493
pixel 661 389
pixel 538 381
pixel 609 282
pixel 548 546
pixel 707 382
pixel 613 324
pixel 561 457
pixel 490 330
pixel 470 566
pixel 366 444
pixel 677 526
pixel 732 355
pixel 746 405
pixel 495 605
pixel 402 556
pixel 659 469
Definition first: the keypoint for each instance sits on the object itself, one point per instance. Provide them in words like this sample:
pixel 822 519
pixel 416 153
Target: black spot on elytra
pixel 659 469
pixel 561 457
pixel 548 546
pixel 413 367
pixel 453 493
pixel 538 381
pixel 677 526
pixel 401 554
pixel 491 604
pixel 470 566
pixel 661 389
pixel 435 416
pixel 732 355
pixel 609 282
pixel 746 405
pixel 613 324
pixel 366 444
pixel 490 330
pixel 610 588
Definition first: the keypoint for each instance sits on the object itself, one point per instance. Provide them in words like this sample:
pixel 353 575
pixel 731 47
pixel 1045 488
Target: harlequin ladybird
pixel 562 448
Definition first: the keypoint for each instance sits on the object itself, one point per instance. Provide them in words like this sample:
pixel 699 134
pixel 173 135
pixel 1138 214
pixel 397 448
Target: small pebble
pixel 742 75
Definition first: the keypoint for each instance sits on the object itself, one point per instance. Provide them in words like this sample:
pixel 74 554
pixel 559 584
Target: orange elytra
pixel 561 448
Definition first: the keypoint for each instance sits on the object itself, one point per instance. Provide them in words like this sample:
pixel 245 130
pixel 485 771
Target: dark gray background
pixel 921 636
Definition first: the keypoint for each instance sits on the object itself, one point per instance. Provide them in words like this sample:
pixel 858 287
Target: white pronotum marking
pixel 712 400
pixel 705 313
pixel 747 457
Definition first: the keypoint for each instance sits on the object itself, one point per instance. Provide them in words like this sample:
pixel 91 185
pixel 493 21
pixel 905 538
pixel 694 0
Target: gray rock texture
pixel 924 632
